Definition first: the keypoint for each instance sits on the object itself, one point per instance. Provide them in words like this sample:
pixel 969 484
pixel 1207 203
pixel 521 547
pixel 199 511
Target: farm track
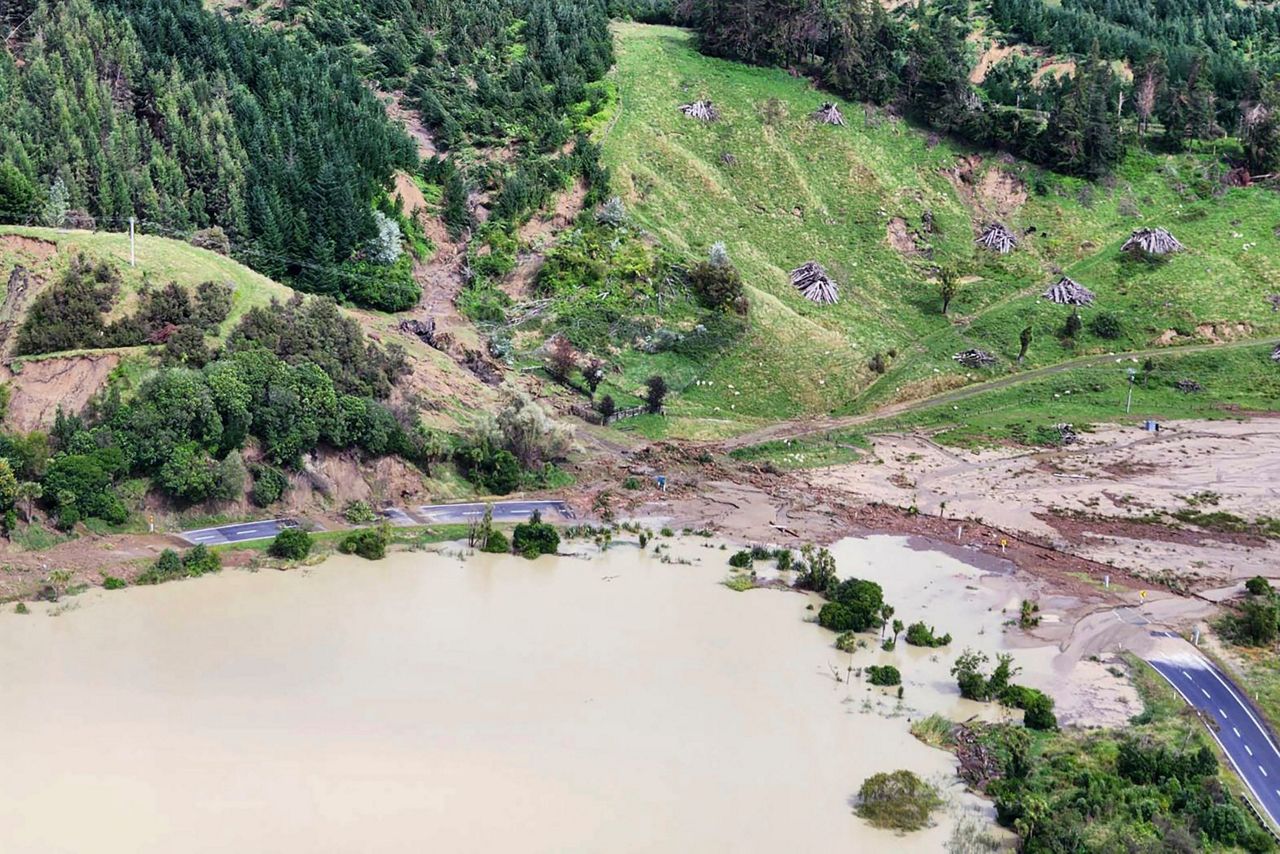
pixel 809 427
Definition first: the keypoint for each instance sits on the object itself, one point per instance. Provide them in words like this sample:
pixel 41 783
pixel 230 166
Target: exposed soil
pixel 993 193
pixel 901 238
pixel 398 111
pixel 44 385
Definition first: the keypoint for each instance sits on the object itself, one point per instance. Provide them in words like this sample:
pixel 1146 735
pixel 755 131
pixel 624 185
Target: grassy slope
pixel 160 260
pixel 799 191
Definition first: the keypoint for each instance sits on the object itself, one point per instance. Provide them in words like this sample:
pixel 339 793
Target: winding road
pixel 1229 718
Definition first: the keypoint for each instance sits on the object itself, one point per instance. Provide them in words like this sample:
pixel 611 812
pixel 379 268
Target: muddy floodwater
pixel 597 702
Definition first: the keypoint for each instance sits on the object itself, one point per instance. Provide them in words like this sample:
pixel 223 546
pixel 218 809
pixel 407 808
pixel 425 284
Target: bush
pixel 497 543
pixel 918 634
pixel 368 543
pixel 359 513
pixel 167 566
pixel 110 582
pixel 535 537
pixel 199 561
pixel 1107 325
pixel 290 544
pixel 1037 706
pixel 269 485
pixel 741 560
pixel 1073 325
pixel 886 675
pixel 1258 586
pixel 838 618
pixel 655 394
pixel 899 801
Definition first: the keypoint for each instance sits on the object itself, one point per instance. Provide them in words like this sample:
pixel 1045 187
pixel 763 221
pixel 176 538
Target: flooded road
pixel 587 703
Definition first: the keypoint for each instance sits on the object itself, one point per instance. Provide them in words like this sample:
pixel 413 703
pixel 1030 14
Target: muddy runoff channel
pixel 436 701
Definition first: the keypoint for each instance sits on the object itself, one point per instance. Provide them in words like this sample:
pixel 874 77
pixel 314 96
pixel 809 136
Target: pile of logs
pixel 829 114
pixel 975 358
pixel 997 238
pixel 1069 292
pixel 1067 434
pixel 703 111
pixel 979 765
pixel 1188 386
pixel 1152 241
pixel 813 283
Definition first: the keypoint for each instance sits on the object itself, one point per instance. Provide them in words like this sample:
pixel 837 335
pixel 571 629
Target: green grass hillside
pixel 797 191
pixel 160 261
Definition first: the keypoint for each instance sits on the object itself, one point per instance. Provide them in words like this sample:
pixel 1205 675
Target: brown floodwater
pixel 599 702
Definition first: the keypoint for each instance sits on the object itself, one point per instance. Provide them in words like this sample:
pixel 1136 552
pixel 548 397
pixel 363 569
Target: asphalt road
pixel 503 511
pixel 242 533
pixel 1242 735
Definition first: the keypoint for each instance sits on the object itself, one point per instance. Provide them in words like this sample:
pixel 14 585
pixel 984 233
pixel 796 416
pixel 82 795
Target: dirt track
pixel 809 427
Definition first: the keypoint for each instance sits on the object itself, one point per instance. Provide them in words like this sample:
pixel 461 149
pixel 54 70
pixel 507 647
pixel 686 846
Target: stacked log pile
pixel 1153 241
pixel 814 284
pixel 1067 291
pixel 975 358
pixel 998 238
pixel 703 111
pixel 829 114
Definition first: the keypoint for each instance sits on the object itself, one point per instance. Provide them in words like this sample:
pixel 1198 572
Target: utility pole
pixel 1128 405
pixel 133 259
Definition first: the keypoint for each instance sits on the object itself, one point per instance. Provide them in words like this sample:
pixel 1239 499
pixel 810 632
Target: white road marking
pixel 1248 750
pixel 1236 731
pixel 1203 691
pixel 1186 674
pixel 1222 714
pixel 1263 770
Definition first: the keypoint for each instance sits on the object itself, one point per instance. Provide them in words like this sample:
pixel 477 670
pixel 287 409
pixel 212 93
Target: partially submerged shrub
pixel 899 801
pixel 885 675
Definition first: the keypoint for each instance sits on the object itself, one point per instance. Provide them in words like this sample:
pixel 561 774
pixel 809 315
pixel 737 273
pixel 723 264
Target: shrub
pixel 213 305
pixel 838 618
pixel 166 567
pixel 899 801
pixel 199 561
pixel 1028 615
pixel 290 544
pixel 269 485
pixel 1107 325
pixel 359 513
pixel 918 634
pixel 497 543
pixel 741 560
pixel 214 239
pixel 885 675
pixel 110 582
pixel 718 286
pixel 1073 325
pixel 606 407
pixel 368 543
pixel 1258 586
pixel 535 537
pixel 655 393
pixel 848 642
